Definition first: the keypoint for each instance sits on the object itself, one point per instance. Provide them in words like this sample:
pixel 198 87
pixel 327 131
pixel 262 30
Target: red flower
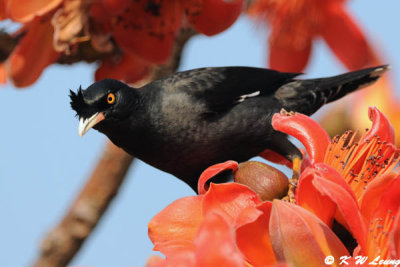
pixel 25 11
pixel 300 238
pixel 33 53
pixel 147 29
pixel 229 225
pixel 295 25
pixel 380 206
pixel 122 67
pixel 144 32
pixel 358 162
pixel 356 182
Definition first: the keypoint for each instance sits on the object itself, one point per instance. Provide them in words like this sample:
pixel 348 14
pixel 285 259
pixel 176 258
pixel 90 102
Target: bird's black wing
pixel 220 88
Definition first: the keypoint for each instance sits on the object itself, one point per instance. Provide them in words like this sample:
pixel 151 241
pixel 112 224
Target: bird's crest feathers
pixel 77 101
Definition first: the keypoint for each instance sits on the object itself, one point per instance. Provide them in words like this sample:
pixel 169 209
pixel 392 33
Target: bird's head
pixel 105 101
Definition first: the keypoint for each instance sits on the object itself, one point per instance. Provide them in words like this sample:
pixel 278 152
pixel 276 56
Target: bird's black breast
pixel 180 140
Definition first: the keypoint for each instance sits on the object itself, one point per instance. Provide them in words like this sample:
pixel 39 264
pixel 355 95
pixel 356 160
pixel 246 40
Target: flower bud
pixel 267 181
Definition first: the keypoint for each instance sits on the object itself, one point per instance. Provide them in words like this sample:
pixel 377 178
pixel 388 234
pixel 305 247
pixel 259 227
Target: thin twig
pixel 64 241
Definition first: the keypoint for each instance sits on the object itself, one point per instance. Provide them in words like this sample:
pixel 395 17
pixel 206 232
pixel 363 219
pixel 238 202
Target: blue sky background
pixel 44 163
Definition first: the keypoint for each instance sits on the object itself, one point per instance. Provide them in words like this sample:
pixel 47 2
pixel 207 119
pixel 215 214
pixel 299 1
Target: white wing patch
pixel 243 97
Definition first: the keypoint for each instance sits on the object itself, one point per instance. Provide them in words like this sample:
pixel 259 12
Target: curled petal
pixel 216 15
pixel 230 200
pixel 215 243
pixel 299 238
pixel 213 170
pixel 380 127
pixel 32 55
pixel 253 239
pixel 24 11
pixel 175 226
pixel 381 135
pixel 306 130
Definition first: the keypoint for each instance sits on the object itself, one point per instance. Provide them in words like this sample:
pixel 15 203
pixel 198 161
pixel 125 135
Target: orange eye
pixel 110 98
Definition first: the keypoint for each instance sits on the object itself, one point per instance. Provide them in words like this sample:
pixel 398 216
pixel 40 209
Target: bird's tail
pixel 307 96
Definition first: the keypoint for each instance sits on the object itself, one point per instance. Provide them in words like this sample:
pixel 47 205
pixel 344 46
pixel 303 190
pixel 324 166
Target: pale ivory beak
pixel 86 124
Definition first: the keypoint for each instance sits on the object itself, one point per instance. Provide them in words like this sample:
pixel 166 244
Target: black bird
pixel 186 122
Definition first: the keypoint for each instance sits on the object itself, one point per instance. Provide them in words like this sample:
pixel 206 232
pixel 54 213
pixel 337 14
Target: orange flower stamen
pixel 360 164
pixel 379 234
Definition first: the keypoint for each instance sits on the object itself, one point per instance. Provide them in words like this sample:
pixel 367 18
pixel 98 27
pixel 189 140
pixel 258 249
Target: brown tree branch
pixel 64 241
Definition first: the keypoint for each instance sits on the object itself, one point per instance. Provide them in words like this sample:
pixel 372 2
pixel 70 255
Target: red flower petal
pixel 310 198
pixel 128 69
pixel 98 12
pixel 253 239
pixel 182 257
pixel 156 261
pixel 148 32
pixel 384 220
pixel 215 243
pixel 299 238
pixel 213 170
pixel 323 191
pixel 175 227
pixel 32 55
pixel 394 240
pixel 3 10
pixel 230 200
pixel 380 127
pixel 372 194
pixel 306 130
pixel 346 204
pixel 179 257
pixel 288 58
pixel 216 15
pixel 24 11
pixel 3 74
pixel 279 159
pixel 345 38
pixel 115 7
pixel 275 158
pixel 389 200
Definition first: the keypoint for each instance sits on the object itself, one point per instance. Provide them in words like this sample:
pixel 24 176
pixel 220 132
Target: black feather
pixel 77 101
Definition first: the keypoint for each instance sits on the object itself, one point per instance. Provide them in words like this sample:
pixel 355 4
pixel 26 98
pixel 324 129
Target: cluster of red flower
pixel 139 33
pixel 355 183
